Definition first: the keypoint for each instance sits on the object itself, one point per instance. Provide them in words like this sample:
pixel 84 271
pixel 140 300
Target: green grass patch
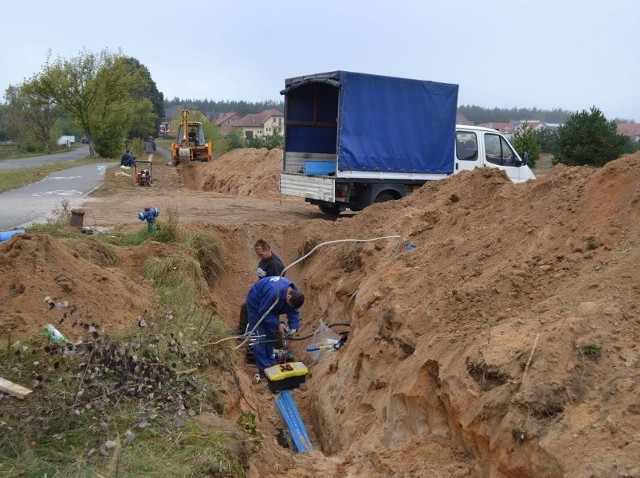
pixel 125 404
pixel 208 251
pixel 122 406
pixel 18 177
pixel 177 280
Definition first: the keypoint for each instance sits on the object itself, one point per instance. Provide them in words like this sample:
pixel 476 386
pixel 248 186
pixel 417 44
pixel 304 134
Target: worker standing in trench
pixel 269 265
pixel 266 301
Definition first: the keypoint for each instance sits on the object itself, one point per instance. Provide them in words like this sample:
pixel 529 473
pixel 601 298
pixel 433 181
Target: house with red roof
pixel 632 130
pixel 257 125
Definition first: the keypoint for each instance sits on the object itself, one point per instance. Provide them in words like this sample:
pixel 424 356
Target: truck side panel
pixel 316 188
pixel 378 120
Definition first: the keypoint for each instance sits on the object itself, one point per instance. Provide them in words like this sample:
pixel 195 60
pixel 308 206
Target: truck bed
pixel 294 162
pixel 309 187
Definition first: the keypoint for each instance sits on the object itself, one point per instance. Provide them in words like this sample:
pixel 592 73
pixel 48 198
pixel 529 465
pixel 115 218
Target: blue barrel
pixel 4 235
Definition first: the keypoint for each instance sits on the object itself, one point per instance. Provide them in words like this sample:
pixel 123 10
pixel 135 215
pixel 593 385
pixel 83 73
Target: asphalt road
pixel 37 201
pixel 70 155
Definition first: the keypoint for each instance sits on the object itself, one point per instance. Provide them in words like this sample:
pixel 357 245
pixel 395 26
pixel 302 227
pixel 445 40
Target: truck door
pixel 467 156
pixel 499 154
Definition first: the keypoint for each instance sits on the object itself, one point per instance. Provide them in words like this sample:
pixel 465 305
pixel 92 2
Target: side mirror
pixel 525 159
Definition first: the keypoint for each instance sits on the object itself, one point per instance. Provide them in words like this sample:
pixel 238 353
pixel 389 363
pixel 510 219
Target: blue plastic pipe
pixel 5 235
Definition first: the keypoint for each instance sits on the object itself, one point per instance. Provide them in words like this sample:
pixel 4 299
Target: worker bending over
pixel 261 298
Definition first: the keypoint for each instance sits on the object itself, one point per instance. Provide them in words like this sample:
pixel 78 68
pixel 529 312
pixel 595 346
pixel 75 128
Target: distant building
pixel 226 118
pixel 257 125
pixel 632 130
pixel 462 119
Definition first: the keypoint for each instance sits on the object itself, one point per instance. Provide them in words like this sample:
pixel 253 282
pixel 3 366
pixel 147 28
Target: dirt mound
pixel 79 279
pixel 494 327
pixel 511 327
pixel 246 171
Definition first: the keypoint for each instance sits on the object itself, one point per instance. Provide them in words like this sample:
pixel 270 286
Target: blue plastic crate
pixel 319 168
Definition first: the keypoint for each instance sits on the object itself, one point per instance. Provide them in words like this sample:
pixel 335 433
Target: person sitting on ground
pixel 277 295
pixel 128 159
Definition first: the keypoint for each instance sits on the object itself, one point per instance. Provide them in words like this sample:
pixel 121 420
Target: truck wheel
pixel 384 196
pixel 332 209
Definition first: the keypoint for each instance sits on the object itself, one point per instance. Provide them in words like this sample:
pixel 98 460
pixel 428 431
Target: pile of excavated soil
pixel 72 285
pixel 247 172
pixel 494 329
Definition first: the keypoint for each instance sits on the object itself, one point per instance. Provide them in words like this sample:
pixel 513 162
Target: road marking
pixel 59 192
pixel 64 177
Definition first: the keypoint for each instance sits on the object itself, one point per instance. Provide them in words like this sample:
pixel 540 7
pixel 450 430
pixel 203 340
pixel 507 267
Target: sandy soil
pixel 503 344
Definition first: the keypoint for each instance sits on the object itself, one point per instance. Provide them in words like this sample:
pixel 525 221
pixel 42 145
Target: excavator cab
pixel 190 144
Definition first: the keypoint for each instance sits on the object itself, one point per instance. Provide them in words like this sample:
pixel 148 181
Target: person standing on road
pixel 150 147
pixel 267 299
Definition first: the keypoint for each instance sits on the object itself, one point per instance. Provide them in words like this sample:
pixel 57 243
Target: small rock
pixel 128 437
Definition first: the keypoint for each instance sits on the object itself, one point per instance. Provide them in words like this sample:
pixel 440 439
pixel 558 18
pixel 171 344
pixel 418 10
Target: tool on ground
pixel 144 177
pixel 286 376
pixel 149 214
pixel 332 345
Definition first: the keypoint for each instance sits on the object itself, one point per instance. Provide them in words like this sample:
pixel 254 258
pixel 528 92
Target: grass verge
pixel 126 404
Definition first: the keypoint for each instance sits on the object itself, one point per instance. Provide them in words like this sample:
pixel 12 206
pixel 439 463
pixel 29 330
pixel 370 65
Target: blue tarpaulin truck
pixel 353 139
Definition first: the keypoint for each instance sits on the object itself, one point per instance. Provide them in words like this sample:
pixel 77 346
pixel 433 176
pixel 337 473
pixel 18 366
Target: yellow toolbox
pixel 285 376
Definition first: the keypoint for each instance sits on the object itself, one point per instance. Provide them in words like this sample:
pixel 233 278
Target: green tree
pixel 31 116
pixel 547 137
pixel 275 141
pixel 588 138
pixel 147 121
pixel 101 94
pixel 526 141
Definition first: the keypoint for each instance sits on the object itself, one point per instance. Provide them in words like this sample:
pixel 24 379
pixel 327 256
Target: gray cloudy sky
pixel 569 54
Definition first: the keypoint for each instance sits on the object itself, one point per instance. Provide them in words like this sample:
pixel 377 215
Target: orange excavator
pixel 190 144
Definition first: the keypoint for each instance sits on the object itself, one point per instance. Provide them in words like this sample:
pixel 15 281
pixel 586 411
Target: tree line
pixel 109 97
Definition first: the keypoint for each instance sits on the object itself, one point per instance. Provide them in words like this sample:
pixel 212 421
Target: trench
pixel 342 399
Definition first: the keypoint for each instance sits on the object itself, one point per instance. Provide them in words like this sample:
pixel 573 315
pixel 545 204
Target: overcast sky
pixel 568 54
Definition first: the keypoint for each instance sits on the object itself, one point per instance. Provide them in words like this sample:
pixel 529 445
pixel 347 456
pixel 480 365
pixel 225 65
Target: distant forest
pixel 475 114
pixel 213 109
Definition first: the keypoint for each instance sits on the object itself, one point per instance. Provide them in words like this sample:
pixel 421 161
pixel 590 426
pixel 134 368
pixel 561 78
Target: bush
pixel 589 139
pixel 526 141
pixel 208 252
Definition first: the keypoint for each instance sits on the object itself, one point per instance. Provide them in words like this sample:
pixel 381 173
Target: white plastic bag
pixel 322 343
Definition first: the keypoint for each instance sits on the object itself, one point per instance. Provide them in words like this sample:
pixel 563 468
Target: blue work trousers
pixel 263 350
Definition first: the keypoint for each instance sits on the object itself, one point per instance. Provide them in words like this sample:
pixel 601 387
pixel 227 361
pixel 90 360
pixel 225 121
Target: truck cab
pixel 483 147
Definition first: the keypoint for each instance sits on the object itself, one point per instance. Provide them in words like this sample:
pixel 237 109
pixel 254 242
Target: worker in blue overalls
pixel 267 299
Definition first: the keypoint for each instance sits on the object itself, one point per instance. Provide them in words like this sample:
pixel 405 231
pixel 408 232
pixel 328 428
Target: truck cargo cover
pixel 386 124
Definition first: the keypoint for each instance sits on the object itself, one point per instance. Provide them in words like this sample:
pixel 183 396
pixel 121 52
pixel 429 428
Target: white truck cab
pixel 483 147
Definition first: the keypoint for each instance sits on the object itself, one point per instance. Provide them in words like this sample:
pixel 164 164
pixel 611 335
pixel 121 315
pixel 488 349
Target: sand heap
pixel 512 327
pixel 503 343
